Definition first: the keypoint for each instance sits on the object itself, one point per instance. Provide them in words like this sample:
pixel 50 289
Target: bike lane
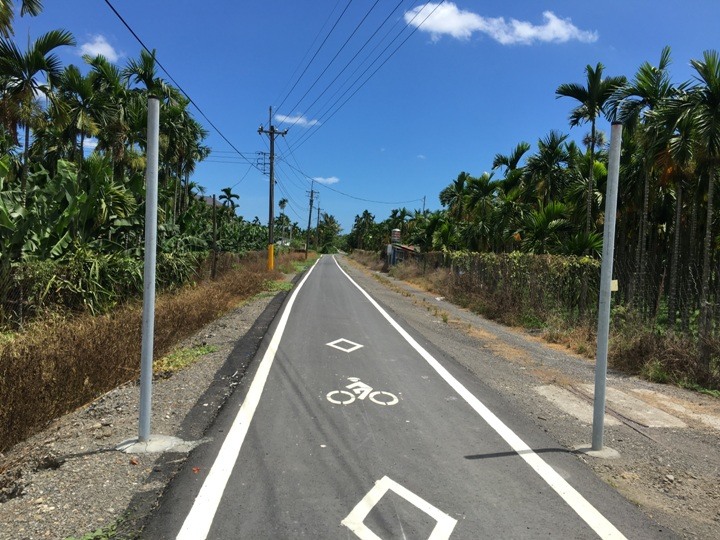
pixel 356 435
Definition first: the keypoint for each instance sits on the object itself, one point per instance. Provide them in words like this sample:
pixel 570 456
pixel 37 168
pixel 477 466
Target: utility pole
pixel 317 229
pixel 307 236
pixel 423 204
pixel 272 132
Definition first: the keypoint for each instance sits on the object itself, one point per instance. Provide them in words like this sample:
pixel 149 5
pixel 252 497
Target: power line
pixel 291 202
pixel 320 124
pixel 212 124
pixel 292 155
pixel 347 194
pixel 370 54
pixel 362 21
pixel 301 186
pixel 316 53
pixel 351 61
pixel 243 177
pixel 309 49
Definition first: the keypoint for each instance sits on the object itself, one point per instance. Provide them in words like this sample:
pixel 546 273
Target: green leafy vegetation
pixel 109 532
pixel 279 285
pixel 181 358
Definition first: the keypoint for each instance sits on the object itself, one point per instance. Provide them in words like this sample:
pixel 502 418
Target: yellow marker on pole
pixel 271 258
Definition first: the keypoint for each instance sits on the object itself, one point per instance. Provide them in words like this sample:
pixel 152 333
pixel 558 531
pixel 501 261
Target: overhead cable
pixel 212 124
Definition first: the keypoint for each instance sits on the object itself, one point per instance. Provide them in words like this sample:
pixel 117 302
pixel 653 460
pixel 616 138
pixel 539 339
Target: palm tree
pixel 19 73
pixel 7 14
pixel 593 99
pixel 362 230
pixel 453 196
pixel 650 88
pixel 80 106
pixel 545 169
pixel 113 136
pixel 513 172
pixel 704 105
pixel 545 228
pixel 144 73
pixel 228 198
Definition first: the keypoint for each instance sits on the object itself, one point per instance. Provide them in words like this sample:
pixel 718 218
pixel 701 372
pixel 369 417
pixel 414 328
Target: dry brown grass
pixel 59 364
pixel 370 259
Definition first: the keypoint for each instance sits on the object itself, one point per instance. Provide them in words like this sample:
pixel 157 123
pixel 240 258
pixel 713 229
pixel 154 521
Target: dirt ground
pixel 69 480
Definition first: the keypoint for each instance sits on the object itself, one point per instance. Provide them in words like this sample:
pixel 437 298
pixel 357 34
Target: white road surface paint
pixel 355 519
pixel 344 345
pixel 361 390
pixel 199 520
pixel 587 512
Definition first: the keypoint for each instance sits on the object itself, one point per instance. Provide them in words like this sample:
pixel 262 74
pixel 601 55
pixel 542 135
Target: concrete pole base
pixel 605 453
pixel 157 444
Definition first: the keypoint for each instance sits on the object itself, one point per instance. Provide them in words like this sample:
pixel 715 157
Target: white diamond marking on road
pixel 344 345
pixel 355 519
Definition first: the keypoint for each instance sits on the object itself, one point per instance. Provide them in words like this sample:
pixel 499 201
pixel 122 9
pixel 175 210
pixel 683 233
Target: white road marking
pixel 355 519
pixel 361 390
pixel 587 512
pixel 337 345
pixel 199 520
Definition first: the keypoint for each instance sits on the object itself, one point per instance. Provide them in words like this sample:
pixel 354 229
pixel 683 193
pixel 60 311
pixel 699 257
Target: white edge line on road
pixel 599 523
pixel 199 520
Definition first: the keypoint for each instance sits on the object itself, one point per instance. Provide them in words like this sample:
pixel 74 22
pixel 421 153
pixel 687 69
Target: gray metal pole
pixel 605 282
pixel 148 319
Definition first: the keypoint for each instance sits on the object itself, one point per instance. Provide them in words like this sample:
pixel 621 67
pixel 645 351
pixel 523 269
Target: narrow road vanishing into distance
pixel 350 425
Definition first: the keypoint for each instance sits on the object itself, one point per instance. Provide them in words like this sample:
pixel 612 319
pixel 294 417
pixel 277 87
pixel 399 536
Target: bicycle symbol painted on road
pixel 359 390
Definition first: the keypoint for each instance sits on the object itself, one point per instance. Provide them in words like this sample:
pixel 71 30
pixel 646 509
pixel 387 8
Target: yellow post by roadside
pixel 271 258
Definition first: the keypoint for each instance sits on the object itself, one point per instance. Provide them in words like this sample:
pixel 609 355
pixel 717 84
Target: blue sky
pixel 474 80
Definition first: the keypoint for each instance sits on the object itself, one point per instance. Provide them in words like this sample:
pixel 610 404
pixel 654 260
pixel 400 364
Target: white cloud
pixel 421 156
pixel 448 19
pixel 297 120
pixel 99 45
pixel 90 144
pixel 327 181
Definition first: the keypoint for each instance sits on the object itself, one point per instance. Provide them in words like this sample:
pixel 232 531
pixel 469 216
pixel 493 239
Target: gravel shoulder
pixel 69 479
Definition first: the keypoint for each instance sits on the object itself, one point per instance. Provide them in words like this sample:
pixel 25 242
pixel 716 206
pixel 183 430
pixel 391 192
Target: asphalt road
pixel 350 425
